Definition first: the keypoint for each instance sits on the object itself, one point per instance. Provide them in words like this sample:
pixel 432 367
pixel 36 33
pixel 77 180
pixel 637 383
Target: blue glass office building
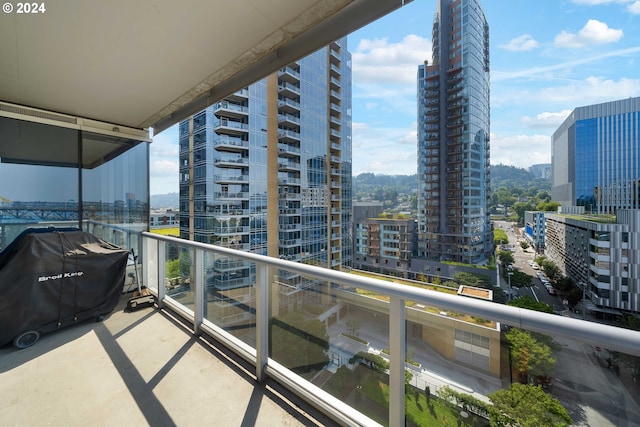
pixel 268 170
pixel 453 138
pixel 595 157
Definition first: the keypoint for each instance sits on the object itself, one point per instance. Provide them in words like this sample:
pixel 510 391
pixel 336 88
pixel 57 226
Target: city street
pixel 521 262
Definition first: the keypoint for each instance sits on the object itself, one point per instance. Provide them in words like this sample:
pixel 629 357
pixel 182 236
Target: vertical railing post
pixel 198 289
pixel 262 320
pixel 397 354
pixel 162 249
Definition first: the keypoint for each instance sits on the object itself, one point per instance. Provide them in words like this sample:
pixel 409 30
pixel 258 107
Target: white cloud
pixel 522 43
pixel 573 93
pixel 520 150
pixel 380 61
pixel 594 32
pixel 596 2
pixel 633 6
pixel 163 162
pixel 546 119
pixel 384 150
pixel 592 90
pixel 497 75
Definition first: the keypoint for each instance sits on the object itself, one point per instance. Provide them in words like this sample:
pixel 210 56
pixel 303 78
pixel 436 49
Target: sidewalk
pixel 435 370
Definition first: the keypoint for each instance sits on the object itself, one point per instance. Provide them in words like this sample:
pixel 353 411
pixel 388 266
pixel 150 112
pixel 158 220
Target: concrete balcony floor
pixel 139 368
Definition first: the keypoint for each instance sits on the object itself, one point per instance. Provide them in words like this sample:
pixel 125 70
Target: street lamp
pixel 509 274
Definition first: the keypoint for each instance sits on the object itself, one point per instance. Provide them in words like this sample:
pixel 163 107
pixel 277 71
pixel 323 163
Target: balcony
pixel 136 369
pixel 155 366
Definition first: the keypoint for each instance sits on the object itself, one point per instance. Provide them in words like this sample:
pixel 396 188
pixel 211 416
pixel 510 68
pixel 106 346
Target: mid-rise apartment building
pixel 163 218
pixel 382 244
pixel 268 170
pixel 453 138
pixel 534 229
pixel 595 157
pixel 600 253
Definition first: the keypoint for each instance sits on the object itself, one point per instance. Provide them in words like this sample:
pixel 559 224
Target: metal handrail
pixel 617 339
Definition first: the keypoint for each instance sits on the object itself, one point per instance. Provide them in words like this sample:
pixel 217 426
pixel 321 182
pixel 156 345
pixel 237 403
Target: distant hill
pixel 165 201
pixel 367 184
pixel 513 177
pixel 385 187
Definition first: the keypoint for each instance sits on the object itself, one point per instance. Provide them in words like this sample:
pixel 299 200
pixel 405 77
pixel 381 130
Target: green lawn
pixel 368 391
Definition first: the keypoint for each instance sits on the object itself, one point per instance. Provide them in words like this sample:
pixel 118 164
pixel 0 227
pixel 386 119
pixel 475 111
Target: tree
pixel 371 360
pixel 528 302
pixel 547 206
pixel 465 401
pixel 518 278
pixel 353 325
pixel 505 257
pixel 172 268
pixel 500 237
pixel 526 405
pixel 573 296
pixel 520 208
pixel 524 244
pixel 472 279
pixel 530 357
pixel 550 269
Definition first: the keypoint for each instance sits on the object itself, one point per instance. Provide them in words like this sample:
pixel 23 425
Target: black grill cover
pixel 52 279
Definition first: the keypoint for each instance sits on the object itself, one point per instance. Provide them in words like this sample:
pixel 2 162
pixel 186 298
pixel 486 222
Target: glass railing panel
pixel 470 370
pixel 230 295
pixel 334 338
pixel 446 350
pixel 461 367
pixel 594 385
pixel 179 282
pixel 150 264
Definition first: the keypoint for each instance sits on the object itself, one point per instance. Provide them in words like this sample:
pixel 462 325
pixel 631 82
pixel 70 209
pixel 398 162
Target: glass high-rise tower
pixel 268 170
pixel 595 157
pixel 453 138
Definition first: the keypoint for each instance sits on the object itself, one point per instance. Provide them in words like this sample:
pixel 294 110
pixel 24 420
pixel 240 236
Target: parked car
pixel 551 290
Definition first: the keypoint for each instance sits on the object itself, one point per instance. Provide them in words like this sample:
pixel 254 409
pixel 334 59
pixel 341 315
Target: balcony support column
pixel 397 355
pixel 162 290
pixel 262 320
pixel 198 289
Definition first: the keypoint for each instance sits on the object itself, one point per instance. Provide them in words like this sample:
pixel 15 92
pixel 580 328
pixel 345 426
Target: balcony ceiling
pixel 151 63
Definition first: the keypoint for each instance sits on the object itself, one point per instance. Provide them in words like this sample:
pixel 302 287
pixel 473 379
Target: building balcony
pixel 155 365
pixel 232 163
pixel 234 179
pixel 288 119
pixel 230 143
pixel 288 74
pixel 285 166
pixel 288 105
pixel 286 135
pixel 288 90
pixel 334 69
pixel 229 109
pixel 231 127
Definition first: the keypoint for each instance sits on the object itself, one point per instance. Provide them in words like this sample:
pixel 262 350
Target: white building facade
pixel 604 256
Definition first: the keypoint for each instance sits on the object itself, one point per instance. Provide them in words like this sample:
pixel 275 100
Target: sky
pixel 547 58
